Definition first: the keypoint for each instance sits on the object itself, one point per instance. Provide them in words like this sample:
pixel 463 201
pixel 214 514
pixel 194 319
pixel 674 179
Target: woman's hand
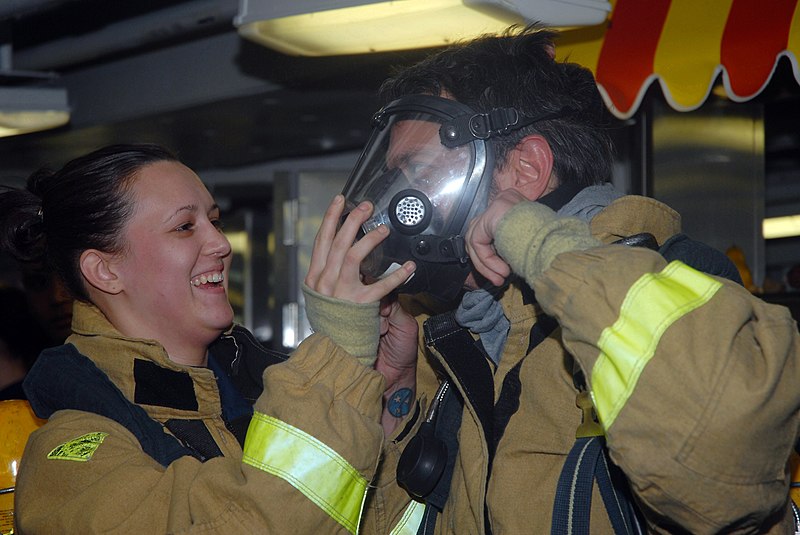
pixel 334 272
pixel 336 257
pixel 480 237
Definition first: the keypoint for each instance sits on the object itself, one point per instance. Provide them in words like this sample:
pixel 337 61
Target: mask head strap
pixel 500 121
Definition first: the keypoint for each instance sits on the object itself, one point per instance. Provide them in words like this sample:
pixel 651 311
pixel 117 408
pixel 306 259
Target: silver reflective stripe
pixel 411 520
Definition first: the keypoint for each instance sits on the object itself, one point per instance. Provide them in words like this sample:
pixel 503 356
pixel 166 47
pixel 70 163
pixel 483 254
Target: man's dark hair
pixel 517 70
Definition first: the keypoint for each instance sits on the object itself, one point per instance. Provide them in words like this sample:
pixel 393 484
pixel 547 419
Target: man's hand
pixel 397 361
pixel 480 237
pixel 335 259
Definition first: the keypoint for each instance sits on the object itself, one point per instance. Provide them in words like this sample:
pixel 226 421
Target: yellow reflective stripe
pixel 310 466
pixel 411 520
pixel 653 303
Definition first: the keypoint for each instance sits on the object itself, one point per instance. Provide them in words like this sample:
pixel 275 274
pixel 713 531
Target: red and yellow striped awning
pixel 685 45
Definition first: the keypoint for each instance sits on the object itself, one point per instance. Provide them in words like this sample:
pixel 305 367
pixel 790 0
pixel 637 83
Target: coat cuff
pixel 352 326
pixel 531 235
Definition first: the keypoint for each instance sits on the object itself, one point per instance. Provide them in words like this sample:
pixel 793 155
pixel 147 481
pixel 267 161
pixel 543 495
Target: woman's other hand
pixel 337 256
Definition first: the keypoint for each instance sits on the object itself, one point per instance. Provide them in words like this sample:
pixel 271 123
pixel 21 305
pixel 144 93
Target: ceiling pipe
pixel 15 9
pixel 180 21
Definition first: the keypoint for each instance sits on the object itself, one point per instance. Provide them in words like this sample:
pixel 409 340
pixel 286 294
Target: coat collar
pixel 140 368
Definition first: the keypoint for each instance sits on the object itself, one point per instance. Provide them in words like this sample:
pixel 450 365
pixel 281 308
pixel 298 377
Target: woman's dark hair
pixel 84 205
pixel 517 70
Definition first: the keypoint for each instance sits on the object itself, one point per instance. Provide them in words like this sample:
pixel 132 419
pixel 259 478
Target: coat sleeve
pixel 693 379
pixel 312 448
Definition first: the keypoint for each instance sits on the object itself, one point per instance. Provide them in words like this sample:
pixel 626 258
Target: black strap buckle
pixel 497 121
pixel 500 121
pixel 440 249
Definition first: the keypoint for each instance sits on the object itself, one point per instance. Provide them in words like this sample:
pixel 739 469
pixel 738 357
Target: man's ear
pixel 99 271
pixel 531 163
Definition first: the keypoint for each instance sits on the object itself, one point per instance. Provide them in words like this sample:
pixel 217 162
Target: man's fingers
pixel 480 238
pixel 386 307
pixel 480 250
pixel 494 269
pixel 487 263
pixel 399 317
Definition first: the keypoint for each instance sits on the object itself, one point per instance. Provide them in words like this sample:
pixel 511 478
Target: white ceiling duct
pixel 30 103
pixel 339 27
pixel 31 109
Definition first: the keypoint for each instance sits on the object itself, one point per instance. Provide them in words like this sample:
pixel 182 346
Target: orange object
pixel 17 421
pixel 794 466
pixel 736 255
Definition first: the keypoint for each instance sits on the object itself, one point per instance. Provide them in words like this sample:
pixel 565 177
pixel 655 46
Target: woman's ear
pixel 531 162
pixel 98 270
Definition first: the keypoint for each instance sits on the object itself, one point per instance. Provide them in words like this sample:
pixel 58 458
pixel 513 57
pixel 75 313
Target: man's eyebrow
pixel 398 158
pixel 424 154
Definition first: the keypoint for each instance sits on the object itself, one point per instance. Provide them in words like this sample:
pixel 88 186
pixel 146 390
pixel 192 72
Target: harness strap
pixel 448 423
pixel 468 363
pixel 586 463
pixel 507 404
pixel 473 374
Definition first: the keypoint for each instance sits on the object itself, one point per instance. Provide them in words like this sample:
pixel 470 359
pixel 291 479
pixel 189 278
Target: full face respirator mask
pixel 427 169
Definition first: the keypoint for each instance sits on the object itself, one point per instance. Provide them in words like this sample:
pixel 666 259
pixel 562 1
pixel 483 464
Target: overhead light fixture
pixel 786 226
pixel 341 27
pixel 31 109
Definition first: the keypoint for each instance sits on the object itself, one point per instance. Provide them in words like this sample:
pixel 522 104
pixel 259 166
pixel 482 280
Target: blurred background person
pixel 48 300
pixel 21 340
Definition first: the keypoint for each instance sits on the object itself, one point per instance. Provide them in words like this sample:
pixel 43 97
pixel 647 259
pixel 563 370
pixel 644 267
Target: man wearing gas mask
pixel 586 314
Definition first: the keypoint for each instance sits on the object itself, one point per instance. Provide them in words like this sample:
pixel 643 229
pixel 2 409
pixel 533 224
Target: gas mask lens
pixel 416 186
pixel 420 188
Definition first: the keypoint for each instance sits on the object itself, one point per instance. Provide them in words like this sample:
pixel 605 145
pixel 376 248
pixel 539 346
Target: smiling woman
pixel 188 421
pixel 158 285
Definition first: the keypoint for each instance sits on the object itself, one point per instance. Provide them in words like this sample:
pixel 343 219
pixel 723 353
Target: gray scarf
pixel 482 314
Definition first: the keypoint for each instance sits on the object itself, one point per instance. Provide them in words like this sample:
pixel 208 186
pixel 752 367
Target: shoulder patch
pixel 78 449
